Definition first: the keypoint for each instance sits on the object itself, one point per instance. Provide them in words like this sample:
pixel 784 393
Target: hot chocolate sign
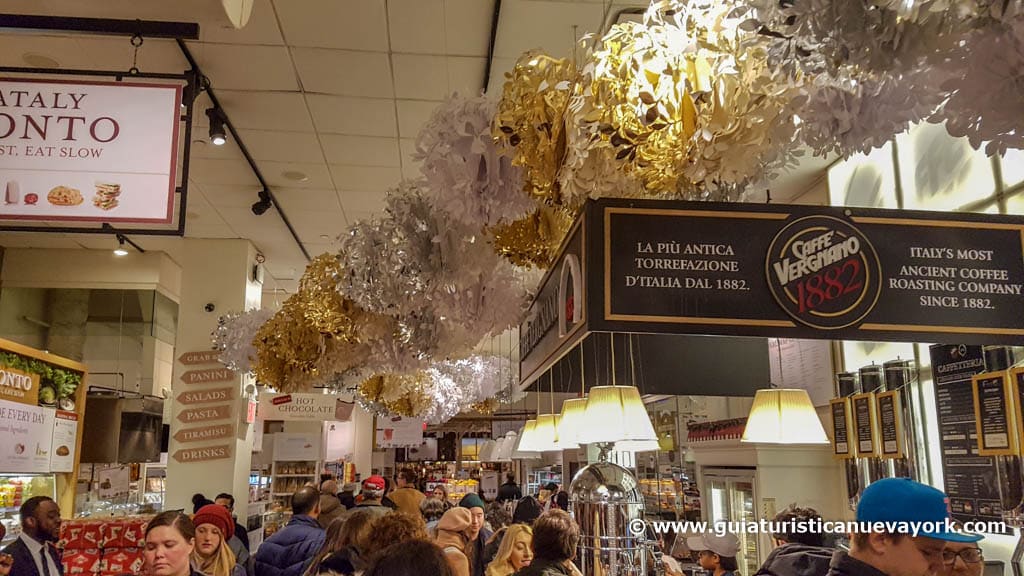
pixel 88 151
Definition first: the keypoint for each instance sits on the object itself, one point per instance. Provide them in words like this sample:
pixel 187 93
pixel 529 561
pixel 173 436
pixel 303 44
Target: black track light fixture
pixel 217 134
pixel 258 208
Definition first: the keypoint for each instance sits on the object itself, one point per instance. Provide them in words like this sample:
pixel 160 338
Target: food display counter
pixel 14 490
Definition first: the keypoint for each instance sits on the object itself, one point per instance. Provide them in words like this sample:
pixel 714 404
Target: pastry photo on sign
pixel 64 196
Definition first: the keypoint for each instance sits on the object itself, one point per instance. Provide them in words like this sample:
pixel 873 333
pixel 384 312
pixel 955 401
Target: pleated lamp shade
pixel 528 437
pixel 615 413
pixel 637 446
pixel 546 433
pixel 569 423
pixel 517 449
pixel 487 451
pixel 506 445
pixel 783 416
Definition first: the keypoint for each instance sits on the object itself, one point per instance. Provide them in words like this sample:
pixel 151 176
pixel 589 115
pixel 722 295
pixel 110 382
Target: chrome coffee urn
pixel 608 507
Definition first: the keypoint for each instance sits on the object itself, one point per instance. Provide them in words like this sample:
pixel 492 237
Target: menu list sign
pixel 28 434
pixel 833 273
pixel 864 424
pixel 88 151
pixel 993 415
pixel 971 479
pixel 841 428
pixel 890 427
pixel 65 432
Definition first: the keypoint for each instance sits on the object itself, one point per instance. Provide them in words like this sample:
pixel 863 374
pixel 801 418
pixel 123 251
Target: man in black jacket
pixel 915 544
pixel 555 538
pixel 509 490
pixel 798 552
pixel 33 552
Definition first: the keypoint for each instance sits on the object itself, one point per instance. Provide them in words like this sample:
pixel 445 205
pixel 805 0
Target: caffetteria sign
pixel 823 272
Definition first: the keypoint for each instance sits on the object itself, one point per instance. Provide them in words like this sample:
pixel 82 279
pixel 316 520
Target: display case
pixel 287 477
pixel 538 478
pixel 154 486
pixel 730 498
pixel 14 490
pixel 662 497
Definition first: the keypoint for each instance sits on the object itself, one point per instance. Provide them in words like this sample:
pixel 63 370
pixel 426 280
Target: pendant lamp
pixel 546 433
pixel 526 438
pixel 615 413
pixel 506 445
pixel 487 451
pixel 521 450
pixel 570 422
pixel 637 446
pixel 783 416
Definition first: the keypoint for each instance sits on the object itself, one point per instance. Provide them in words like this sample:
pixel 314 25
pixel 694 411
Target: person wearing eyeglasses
pixel 899 500
pixel 963 559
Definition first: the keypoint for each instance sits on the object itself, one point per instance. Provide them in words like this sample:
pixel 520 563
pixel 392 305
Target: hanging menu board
pixel 993 415
pixel 971 480
pixel 890 427
pixel 864 424
pixel 841 428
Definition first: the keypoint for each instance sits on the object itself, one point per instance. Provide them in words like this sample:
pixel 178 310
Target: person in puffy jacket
pixel 287 551
pixel 453 538
pixel 797 552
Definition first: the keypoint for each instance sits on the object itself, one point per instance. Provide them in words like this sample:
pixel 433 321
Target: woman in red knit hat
pixel 212 555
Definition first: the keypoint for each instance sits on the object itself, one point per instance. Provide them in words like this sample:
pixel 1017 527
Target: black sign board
pixel 890 429
pixel 1017 390
pixel 841 428
pixel 864 424
pixel 807 272
pixel 971 480
pixel 993 414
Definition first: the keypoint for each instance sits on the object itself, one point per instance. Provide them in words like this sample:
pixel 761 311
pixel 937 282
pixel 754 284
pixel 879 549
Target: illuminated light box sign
pixel 88 151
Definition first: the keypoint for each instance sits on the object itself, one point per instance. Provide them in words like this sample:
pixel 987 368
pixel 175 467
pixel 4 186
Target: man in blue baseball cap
pixel 904 529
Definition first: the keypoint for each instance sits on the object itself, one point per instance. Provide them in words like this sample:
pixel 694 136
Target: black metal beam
pixel 107 26
pixel 495 18
pixel 241 146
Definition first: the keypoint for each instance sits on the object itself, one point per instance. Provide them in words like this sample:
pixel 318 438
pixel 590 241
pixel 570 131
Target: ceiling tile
pixel 222 172
pixel 344 72
pixel 221 197
pixel 362 203
pixel 412 114
pixel 410 166
pixel 542 25
pixel 201 231
pixel 468 26
pixel 417 26
pixel 323 247
pixel 202 148
pixel 353 116
pixel 243 67
pixel 66 51
pixel 343 24
pixel 312 224
pixel 317 175
pixel 365 177
pixel 360 150
pixel 262 28
pixel 307 199
pixel 43 240
pixel 282 146
pixel 266 110
pixel 466 75
pixel 420 77
pixel 155 55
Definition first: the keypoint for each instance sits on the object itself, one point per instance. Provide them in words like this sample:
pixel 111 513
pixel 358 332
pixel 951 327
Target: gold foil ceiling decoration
pixel 321 303
pixel 530 122
pixel 534 240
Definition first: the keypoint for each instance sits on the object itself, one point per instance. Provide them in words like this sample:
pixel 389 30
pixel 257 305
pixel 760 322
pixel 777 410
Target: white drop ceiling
pixel 327 95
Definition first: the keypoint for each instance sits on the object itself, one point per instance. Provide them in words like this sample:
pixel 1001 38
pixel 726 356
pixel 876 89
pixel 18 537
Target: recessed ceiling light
pixel 295 175
pixel 38 60
pixel 325 237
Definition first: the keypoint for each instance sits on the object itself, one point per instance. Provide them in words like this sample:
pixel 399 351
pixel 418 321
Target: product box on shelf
pixel 110 547
pixel 84 561
pixel 119 561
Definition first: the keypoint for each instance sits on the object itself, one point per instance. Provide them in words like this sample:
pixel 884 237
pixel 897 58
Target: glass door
pixel 742 503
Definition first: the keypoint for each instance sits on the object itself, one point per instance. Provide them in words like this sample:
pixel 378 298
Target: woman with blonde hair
pixel 515 552
pixel 212 556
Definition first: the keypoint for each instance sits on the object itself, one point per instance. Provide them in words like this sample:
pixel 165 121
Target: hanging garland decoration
pixel 465 174
pixel 234 337
pixel 534 240
pixel 529 125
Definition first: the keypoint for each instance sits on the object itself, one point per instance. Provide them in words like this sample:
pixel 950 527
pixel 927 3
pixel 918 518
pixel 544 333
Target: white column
pixel 217 273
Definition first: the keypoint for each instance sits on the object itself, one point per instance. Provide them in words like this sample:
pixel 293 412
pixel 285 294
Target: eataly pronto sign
pixel 784 271
pixel 88 151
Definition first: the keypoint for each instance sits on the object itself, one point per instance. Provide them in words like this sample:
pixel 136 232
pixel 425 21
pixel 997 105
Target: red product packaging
pixel 112 531
pixel 134 534
pixel 121 561
pixel 81 561
pixel 81 534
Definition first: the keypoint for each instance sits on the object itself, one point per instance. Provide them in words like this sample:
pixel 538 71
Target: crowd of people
pixel 405 532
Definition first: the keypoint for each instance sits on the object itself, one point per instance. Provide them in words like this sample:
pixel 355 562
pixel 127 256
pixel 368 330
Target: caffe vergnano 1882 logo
pixel 823 272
